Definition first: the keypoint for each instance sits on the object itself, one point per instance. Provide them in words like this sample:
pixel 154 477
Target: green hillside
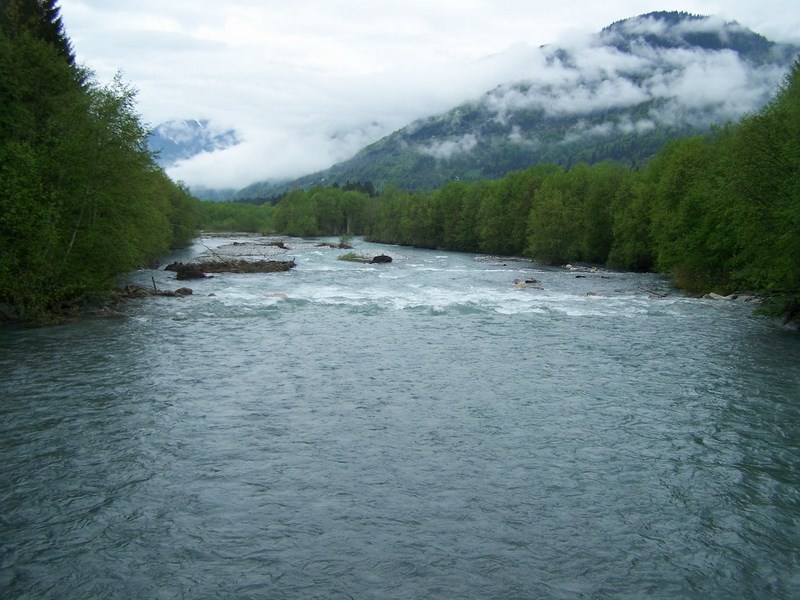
pixel 620 96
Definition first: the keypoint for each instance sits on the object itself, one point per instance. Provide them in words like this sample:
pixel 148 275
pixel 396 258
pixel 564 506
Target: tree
pixel 556 220
pixel 40 19
pixel 81 198
pixel 505 211
pixel 449 202
pixel 765 182
pixel 605 182
pixel 632 246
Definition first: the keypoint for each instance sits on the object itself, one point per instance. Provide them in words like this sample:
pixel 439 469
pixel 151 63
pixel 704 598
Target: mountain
pixel 619 95
pixel 178 140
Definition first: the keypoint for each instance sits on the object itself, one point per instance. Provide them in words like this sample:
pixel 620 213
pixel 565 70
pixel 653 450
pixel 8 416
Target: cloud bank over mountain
pixel 689 71
pixel 175 141
pixel 306 116
pixel 619 94
pixel 308 84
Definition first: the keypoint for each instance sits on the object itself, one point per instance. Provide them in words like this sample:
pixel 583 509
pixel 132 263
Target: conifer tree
pixel 40 19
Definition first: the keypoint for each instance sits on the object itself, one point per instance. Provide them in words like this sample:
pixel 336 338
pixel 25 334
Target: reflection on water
pixel 419 429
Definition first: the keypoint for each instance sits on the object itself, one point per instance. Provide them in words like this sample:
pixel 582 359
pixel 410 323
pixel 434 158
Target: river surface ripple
pixel 415 430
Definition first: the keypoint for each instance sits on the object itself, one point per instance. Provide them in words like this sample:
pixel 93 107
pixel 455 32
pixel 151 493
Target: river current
pixel 420 429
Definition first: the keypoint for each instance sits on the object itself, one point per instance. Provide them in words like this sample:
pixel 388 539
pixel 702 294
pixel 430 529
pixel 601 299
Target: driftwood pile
pixel 200 270
pixel 132 291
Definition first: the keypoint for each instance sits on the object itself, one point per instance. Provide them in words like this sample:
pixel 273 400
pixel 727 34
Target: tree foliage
pixel 81 198
pixel 719 212
pixel 235 216
pixel 40 19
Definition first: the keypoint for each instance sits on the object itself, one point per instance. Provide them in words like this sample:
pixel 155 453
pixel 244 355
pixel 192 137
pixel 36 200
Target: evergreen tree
pixel 39 18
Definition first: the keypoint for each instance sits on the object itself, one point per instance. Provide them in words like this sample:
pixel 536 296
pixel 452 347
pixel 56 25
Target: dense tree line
pixel 243 217
pixel 81 197
pixel 719 212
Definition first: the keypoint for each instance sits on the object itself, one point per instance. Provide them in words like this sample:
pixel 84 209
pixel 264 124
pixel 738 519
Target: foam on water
pixel 421 280
pixel 420 429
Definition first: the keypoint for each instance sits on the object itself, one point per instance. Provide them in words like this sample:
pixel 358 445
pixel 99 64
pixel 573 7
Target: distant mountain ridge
pixel 177 140
pixel 621 96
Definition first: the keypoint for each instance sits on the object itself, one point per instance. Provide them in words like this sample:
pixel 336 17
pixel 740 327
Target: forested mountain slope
pixel 619 95
pixel 720 212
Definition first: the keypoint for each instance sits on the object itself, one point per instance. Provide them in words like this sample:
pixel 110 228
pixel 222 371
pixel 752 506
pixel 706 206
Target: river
pixel 421 429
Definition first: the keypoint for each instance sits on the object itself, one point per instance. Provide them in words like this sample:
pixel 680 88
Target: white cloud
pixel 448 148
pixel 583 130
pixel 641 126
pixel 608 128
pixel 690 84
pixel 596 96
pixel 308 83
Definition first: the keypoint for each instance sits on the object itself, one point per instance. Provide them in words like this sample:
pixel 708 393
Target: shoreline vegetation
pixel 83 201
pixel 719 213
pixel 228 259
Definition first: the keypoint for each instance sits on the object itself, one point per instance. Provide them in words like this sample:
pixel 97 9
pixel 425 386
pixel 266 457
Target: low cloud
pixel 288 155
pixel 517 137
pixel 688 85
pixel 624 126
pixel 720 81
pixel 583 77
pixel 307 86
pixel 446 149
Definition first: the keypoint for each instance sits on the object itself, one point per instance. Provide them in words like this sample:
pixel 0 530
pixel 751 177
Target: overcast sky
pixel 308 83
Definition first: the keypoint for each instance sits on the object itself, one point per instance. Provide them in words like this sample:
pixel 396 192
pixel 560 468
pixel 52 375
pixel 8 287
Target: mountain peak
pixel 673 30
pixel 619 95
pixel 181 139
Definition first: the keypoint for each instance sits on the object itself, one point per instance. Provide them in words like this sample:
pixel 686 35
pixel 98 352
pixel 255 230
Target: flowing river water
pixel 421 429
